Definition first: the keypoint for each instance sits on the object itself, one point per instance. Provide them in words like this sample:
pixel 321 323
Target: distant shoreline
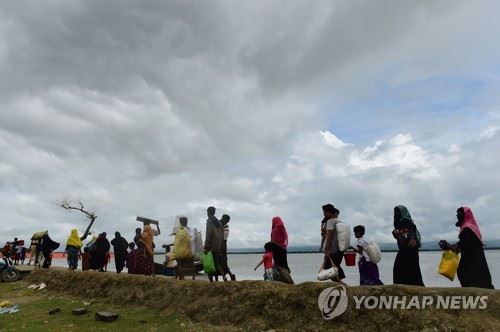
pixel 316 252
pixel 254 252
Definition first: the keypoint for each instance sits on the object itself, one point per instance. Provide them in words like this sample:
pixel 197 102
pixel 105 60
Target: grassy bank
pixel 246 305
pixel 35 305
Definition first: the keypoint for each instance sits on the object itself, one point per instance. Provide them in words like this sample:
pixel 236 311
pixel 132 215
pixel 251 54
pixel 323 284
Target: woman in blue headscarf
pixel 406 266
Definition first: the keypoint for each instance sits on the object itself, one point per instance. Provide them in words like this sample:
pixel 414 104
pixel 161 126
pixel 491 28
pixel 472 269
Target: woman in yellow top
pixel 73 246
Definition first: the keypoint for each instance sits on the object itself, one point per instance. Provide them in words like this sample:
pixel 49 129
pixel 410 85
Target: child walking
pixel 267 260
pixel 368 271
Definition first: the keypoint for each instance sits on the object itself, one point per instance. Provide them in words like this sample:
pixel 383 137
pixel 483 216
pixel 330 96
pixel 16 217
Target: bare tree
pixel 66 204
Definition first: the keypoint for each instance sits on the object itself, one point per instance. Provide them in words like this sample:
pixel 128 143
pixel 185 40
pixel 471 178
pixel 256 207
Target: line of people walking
pixel 138 256
pixel 472 270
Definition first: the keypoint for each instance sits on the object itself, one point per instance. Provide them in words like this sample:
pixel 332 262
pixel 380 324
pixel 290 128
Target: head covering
pixel 470 223
pixel 405 220
pixel 147 239
pixel 278 233
pixel 74 239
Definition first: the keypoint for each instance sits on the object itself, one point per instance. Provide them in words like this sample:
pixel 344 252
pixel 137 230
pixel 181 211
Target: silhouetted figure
pixel 120 246
pixel 225 267
pixel 214 238
pixel 473 269
pixel 406 266
pixel 48 246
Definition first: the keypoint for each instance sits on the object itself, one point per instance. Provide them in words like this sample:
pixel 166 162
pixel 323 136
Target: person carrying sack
pixel 333 255
pixel 327 274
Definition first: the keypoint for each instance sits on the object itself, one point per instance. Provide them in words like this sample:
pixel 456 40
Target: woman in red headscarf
pixel 473 269
pixel 278 233
pixel 278 245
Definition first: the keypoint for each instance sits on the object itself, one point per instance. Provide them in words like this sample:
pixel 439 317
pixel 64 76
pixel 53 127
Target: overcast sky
pixel 260 108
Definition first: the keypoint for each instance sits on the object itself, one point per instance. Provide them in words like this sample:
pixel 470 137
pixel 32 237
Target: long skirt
pixel 120 257
pixel 131 261
pixel 85 261
pixel 473 269
pixel 282 274
pixel 73 257
pixel 406 269
pixel 144 264
pixel 368 273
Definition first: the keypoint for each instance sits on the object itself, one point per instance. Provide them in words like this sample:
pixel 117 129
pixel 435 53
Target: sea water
pixel 304 267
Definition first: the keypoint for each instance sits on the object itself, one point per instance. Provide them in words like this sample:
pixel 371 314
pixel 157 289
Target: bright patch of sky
pixel 432 107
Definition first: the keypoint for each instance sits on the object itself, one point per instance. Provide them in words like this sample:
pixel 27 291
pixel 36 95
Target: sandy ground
pixel 262 306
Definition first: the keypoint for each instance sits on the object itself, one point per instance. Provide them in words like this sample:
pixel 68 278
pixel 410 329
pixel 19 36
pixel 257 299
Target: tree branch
pixel 66 204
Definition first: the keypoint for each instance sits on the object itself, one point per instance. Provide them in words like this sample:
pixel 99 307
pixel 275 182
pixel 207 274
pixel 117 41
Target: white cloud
pixel 399 153
pixel 332 140
pixel 367 182
pixel 489 132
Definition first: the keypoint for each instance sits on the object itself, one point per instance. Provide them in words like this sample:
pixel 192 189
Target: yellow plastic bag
pixel 182 244
pixel 449 264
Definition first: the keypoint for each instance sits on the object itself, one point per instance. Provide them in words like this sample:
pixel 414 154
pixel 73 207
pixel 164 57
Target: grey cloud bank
pixel 162 109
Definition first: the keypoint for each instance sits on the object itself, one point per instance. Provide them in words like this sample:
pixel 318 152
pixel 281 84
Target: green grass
pixel 35 305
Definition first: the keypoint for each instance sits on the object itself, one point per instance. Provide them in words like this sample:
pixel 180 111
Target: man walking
pixel 332 251
pixel 120 246
pixel 214 238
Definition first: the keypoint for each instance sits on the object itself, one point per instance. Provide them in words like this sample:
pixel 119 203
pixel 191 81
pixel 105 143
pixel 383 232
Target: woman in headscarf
pixel 102 247
pixel 132 258
pixel 48 245
pixel 73 247
pixel 473 269
pixel 278 233
pixel 406 266
pixel 146 263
